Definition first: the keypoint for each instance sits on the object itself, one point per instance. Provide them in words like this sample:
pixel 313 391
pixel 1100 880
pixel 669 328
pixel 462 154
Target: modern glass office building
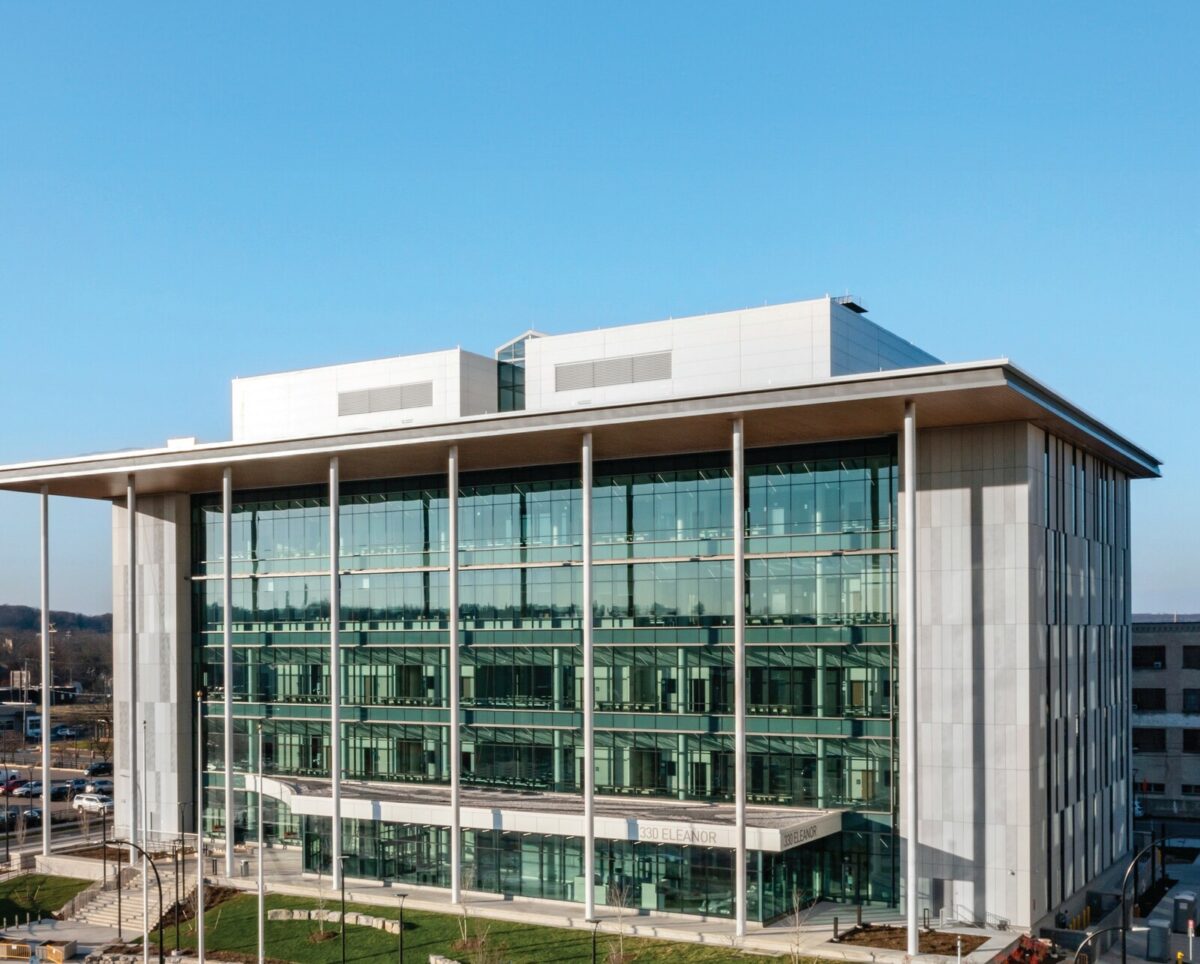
pixel 820 659
pixel 712 616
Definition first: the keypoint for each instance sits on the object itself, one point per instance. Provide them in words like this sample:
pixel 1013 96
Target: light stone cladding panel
pixel 164 665
pixel 975 696
pixel 1000 797
pixel 1081 595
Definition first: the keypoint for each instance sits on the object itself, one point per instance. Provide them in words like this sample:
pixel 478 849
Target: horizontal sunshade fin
pixel 623 370
pixel 389 398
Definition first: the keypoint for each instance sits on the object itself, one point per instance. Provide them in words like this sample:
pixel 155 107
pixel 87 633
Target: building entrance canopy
pixel 658 821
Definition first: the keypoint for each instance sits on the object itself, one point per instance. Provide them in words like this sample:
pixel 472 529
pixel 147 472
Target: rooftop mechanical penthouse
pixel 701 615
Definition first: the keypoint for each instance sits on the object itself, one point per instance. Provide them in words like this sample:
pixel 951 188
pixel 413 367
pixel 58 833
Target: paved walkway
pixel 284 875
pixel 1188 879
pixel 88 937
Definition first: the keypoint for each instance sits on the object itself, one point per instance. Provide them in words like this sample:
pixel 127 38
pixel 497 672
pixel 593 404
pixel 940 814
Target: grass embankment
pixel 38 895
pixel 232 927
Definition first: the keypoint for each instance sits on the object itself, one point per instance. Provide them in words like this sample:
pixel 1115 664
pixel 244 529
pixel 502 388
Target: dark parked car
pixel 60 791
pixel 101 768
pixel 99 786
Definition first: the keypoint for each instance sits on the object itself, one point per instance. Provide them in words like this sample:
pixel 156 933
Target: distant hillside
pixel 82 645
pixel 15 619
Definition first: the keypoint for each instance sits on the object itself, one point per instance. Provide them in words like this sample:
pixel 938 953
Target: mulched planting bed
pixel 896 939
pixel 115 854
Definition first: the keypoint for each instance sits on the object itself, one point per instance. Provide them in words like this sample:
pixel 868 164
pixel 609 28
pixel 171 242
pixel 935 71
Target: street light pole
pixel 1124 906
pixel 401 927
pixel 342 875
pixel 158 880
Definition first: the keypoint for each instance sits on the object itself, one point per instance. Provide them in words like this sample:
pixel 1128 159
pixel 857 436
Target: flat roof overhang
pixel 851 406
pixel 642 819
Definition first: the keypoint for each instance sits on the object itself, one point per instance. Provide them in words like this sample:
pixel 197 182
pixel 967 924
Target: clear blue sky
pixel 193 192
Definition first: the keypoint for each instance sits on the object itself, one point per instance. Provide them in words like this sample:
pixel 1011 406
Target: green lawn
pixel 232 927
pixel 37 895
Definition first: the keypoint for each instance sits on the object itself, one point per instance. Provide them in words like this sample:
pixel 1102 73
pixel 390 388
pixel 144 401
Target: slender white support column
pixel 227 640
pixel 589 692
pixel 47 678
pixel 335 670
pixel 146 818
pixel 739 671
pixel 262 911
pixel 909 701
pixel 454 683
pixel 199 827
pixel 131 535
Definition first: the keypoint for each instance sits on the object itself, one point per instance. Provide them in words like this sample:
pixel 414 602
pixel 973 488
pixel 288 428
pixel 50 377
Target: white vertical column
pixel 589 691
pixel 199 824
pixel 131 535
pixel 739 672
pixel 47 678
pixel 454 682
pixel 227 641
pixel 335 670
pixel 909 701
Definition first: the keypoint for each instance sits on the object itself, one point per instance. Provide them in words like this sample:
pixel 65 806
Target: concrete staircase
pixel 102 910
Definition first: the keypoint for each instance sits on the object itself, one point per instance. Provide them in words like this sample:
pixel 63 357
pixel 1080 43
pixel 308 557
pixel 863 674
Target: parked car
pixel 75 785
pixel 33 817
pixel 29 789
pixel 101 768
pixel 99 786
pixel 61 791
pixel 12 784
pixel 93 803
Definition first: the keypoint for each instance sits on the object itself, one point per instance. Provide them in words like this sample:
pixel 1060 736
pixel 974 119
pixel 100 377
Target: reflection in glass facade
pixel 820 634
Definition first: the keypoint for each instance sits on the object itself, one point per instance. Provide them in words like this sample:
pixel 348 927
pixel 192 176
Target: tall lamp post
pixel 401 927
pixel 342 874
pixel 1125 906
pixel 158 880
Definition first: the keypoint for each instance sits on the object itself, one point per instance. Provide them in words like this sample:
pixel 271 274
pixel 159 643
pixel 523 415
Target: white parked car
pixel 93 803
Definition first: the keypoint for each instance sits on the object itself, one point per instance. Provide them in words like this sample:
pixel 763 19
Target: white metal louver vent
pixel 603 372
pixel 389 398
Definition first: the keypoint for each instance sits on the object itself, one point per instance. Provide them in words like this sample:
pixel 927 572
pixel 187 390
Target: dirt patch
pixel 241 958
pixel 320 937
pixel 896 939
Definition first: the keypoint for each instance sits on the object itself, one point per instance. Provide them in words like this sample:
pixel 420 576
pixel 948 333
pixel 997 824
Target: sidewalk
pixel 1188 879
pixel 88 937
pixel 284 875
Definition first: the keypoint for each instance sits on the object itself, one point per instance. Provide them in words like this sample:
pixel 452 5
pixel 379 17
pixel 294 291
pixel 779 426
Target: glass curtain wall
pixel 820 601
